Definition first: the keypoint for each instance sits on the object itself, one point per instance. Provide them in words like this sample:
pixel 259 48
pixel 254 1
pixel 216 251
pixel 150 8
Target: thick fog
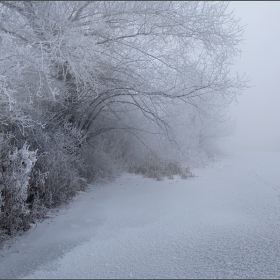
pixel 257 113
pixel 94 94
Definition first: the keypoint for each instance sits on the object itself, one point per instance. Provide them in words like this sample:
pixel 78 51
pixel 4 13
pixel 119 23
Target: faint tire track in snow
pixel 274 186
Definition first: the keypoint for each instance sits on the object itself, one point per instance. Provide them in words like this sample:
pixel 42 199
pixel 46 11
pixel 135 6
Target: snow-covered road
pixel 225 223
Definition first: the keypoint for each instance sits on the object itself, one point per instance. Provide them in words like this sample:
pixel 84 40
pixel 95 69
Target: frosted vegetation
pixel 89 89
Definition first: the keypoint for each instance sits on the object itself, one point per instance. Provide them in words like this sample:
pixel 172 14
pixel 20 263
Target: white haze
pixel 257 113
pixel 222 223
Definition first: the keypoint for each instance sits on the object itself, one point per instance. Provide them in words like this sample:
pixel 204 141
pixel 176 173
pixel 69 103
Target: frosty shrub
pixel 54 180
pixel 17 165
pixel 55 177
pixel 153 167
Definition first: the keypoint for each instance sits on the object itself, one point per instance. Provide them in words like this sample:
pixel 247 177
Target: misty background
pixel 257 113
pixel 89 90
pixel 94 94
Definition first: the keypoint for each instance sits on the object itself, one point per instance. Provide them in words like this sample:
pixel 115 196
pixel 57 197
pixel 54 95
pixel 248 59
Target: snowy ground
pixel 225 223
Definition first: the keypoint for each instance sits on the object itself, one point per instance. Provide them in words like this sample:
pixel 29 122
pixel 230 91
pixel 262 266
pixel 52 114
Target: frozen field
pixel 225 223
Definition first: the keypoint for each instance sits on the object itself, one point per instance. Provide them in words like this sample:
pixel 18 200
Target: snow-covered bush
pixel 158 169
pixel 17 165
pixel 55 177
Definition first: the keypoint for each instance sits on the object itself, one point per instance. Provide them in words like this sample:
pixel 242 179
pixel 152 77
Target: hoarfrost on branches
pixel 100 87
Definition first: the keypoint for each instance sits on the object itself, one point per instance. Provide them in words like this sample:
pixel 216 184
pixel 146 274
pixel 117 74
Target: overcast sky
pixel 257 113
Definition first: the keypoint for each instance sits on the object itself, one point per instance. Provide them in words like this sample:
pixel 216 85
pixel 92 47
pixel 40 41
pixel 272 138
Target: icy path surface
pixel 225 223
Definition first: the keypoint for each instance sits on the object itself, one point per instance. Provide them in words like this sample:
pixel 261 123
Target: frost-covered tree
pixel 88 83
pixel 110 55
